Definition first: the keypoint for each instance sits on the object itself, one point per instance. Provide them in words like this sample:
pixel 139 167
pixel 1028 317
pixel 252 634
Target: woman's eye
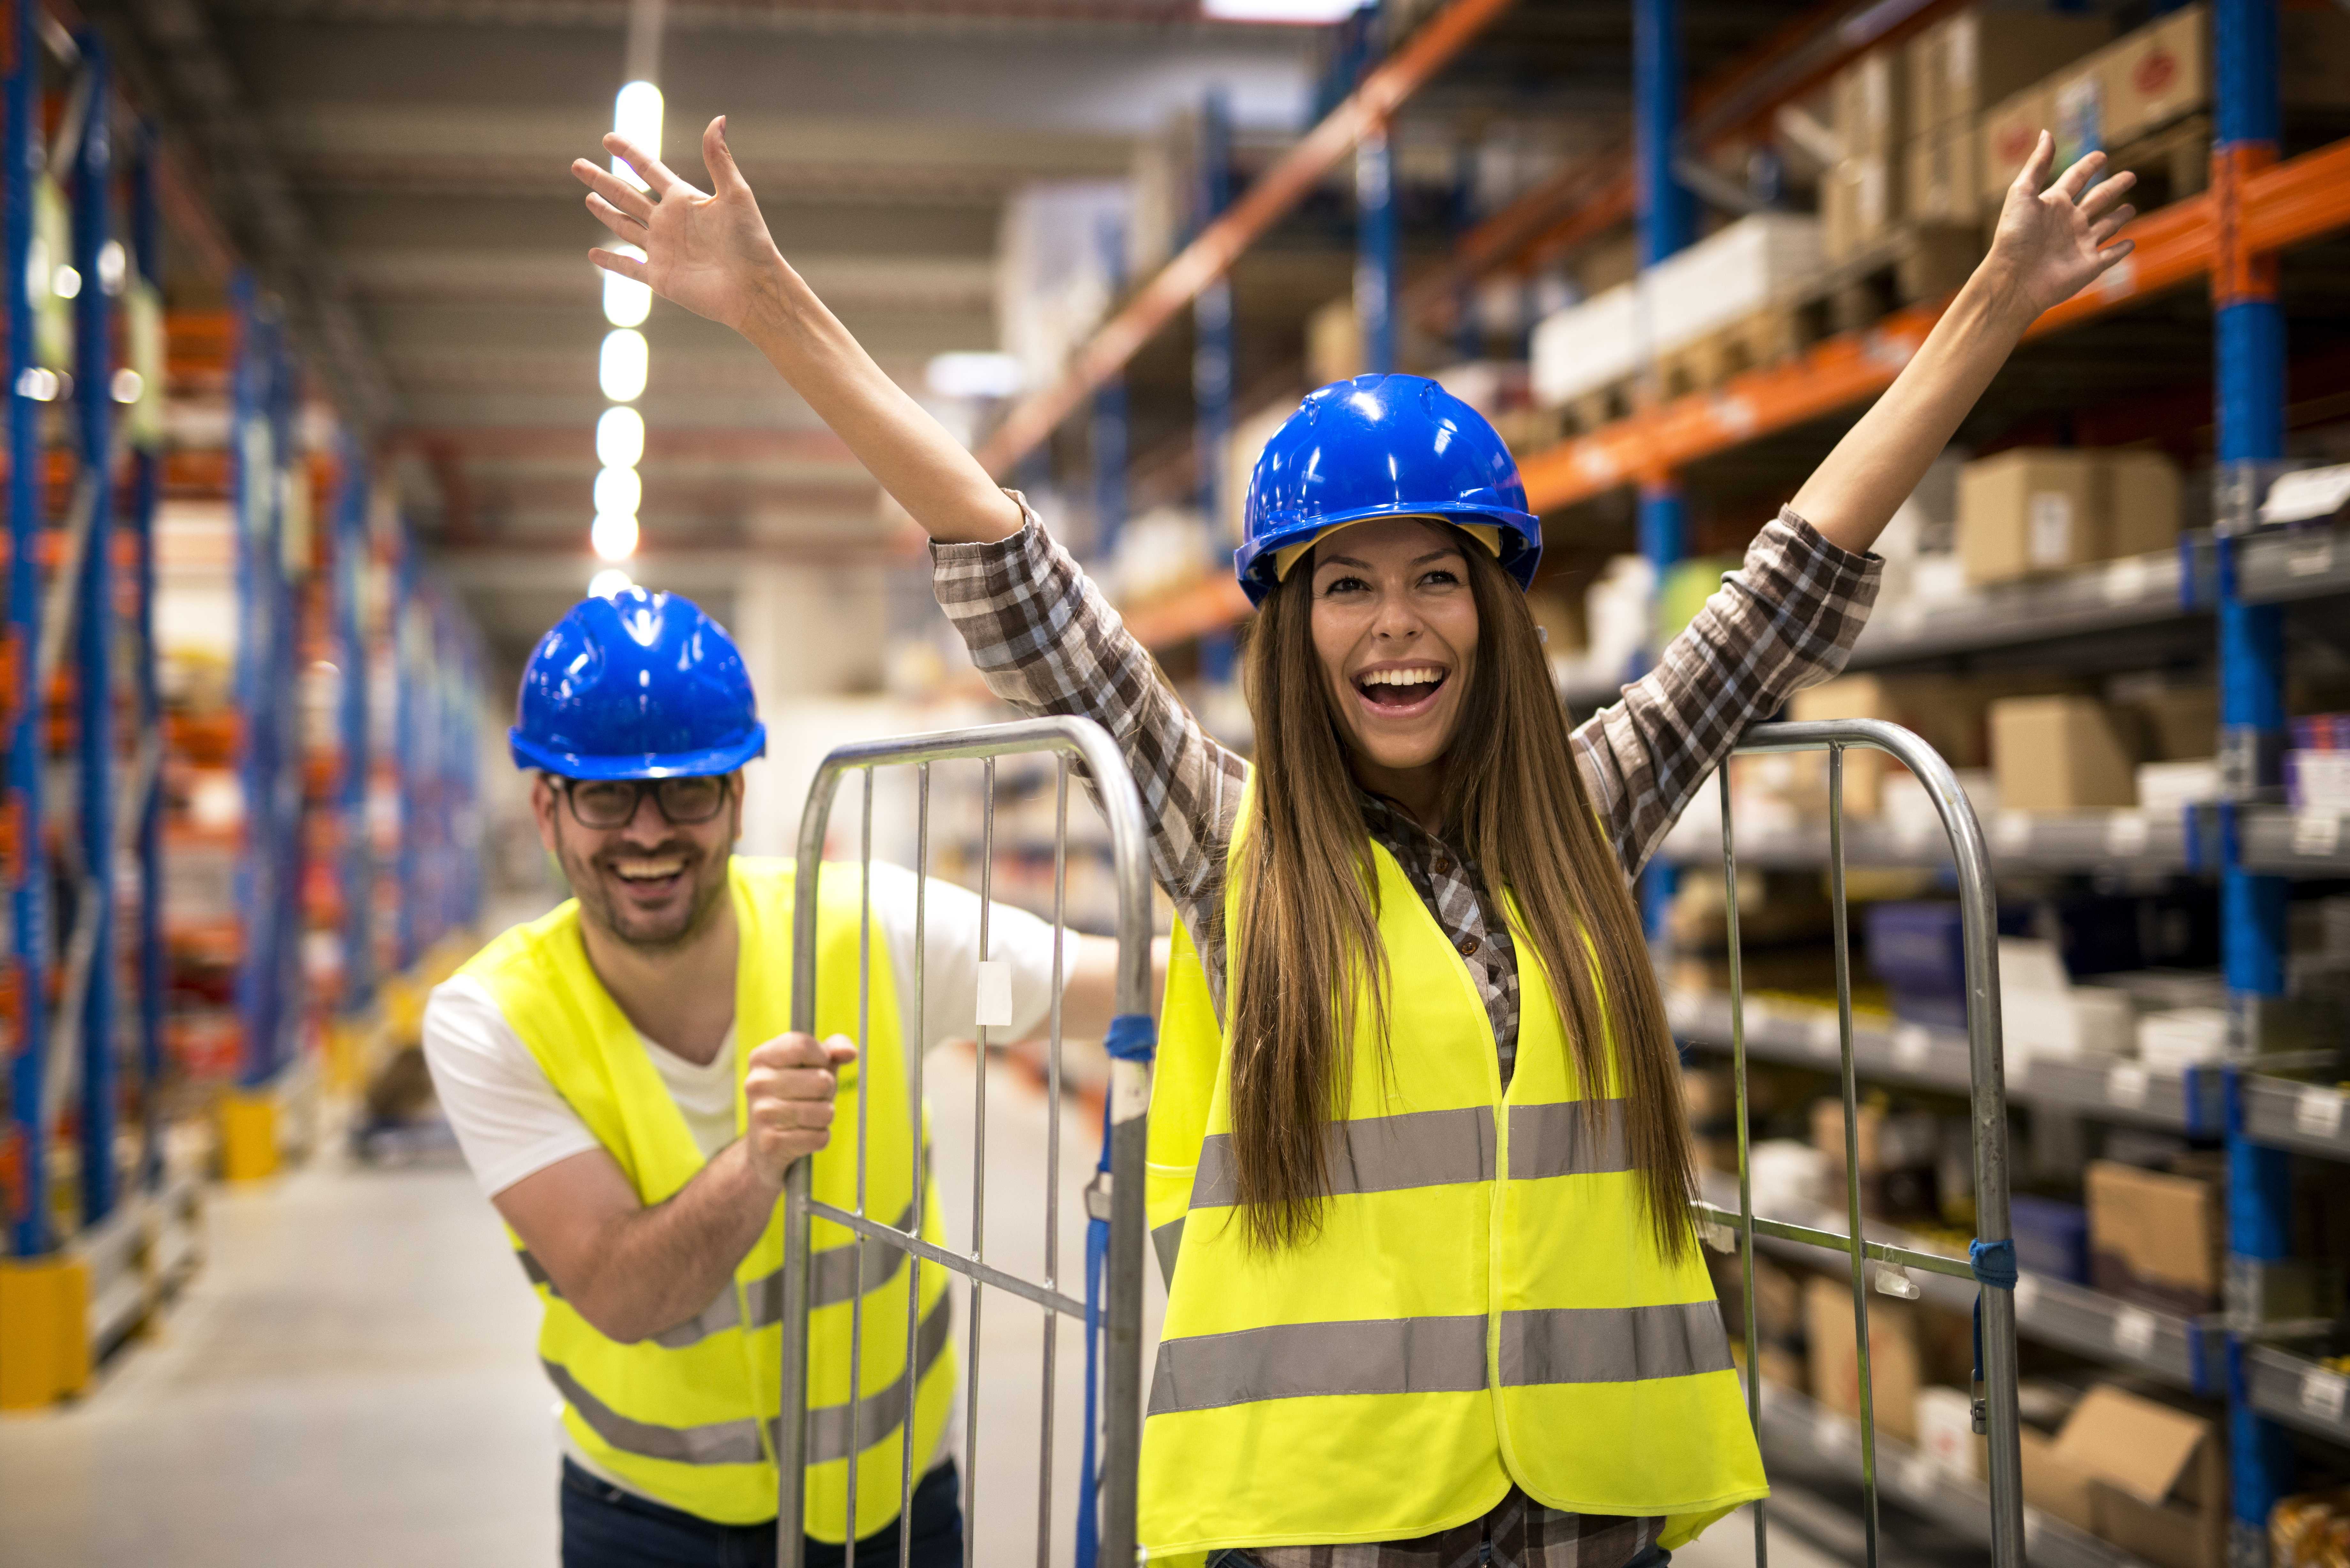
pixel 1341 585
pixel 1443 576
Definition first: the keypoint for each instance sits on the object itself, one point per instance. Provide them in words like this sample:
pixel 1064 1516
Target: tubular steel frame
pixel 1122 806
pixel 1995 1402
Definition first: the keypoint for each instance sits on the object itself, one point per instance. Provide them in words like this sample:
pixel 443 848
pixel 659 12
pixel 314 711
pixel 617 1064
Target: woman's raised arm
pixel 2050 243
pixel 712 253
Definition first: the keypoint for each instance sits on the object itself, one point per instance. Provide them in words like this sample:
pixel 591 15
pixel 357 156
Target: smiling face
pixel 651 883
pixel 1395 627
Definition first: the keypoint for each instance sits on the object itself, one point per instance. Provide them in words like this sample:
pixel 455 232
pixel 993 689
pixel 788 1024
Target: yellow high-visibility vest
pixel 688 1417
pixel 1485 1303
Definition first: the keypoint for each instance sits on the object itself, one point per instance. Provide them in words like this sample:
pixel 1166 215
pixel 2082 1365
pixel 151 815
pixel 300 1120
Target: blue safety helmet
pixel 637 686
pixel 1383 446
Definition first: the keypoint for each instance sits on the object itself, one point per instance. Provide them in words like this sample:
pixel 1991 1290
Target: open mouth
pixel 1403 688
pixel 649 873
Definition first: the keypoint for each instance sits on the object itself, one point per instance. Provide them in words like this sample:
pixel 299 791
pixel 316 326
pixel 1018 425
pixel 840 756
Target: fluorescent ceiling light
pixel 975 375
pixel 636 115
pixel 619 490
pixel 614 534
pixel 622 365
pixel 627 302
pixel 610 581
pixel 621 438
pixel 1295 12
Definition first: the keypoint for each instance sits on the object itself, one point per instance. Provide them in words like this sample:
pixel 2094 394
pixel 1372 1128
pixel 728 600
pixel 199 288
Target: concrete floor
pixel 350 1378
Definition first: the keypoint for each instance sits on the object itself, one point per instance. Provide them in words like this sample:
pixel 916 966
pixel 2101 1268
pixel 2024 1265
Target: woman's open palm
pixel 704 251
pixel 2053 236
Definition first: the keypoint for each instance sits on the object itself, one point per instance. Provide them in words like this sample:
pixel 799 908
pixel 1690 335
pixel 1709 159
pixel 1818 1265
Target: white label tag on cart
pixel 1129 1090
pixel 2133 1331
pixel 2316 832
pixel 2318 1112
pixel 2321 1394
pixel 2126 832
pixel 2027 1296
pixel 995 1000
pixel 2126 1084
pixel 1913 1046
pixel 1826 1038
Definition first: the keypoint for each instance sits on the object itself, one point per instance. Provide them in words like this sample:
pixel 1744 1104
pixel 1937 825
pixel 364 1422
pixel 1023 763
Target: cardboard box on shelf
pixel 1962 66
pixel 2154 1237
pixel 2314 54
pixel 2171 724
pixel 1893 1356
pixel 2155 74
pixel 2059 754
pixel 1945 710
pixel 2076 111
pixel 2141 504
pixel 1860 199
pixel 1868 104
pixel 1943 176
pixel 2030 510
pixel 1334 343
pixel 2052 1483
pixel 2157 1478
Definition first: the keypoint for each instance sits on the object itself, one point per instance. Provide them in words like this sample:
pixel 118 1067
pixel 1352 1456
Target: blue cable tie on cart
pixel 1133 1037
pixel 1993 1263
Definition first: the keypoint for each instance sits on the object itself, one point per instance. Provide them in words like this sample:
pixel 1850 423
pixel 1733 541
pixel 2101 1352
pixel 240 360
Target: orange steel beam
pixel 1210 256
pixel 2283 205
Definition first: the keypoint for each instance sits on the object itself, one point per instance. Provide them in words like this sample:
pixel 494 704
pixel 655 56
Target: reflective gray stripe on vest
pixel 1375 1154
pixel 1437 1355
pixel 1559 1139
pixel 1299 1360
pixel 834 1282
pixel 879 1414
pixel 1167 1242
pixel 1612 1344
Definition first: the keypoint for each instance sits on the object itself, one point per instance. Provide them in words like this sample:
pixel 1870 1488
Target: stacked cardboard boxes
pixel 1958 68
pixel 2033 510
pixel 1861 196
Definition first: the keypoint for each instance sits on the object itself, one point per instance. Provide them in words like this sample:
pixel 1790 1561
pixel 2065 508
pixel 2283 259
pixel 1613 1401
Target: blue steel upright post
pixel 358 871
pixel 1211 364
pixel 94 627
pixel 28 871
pixel 1663 208
pixel 262 890
pixel 145 493
pixel 1377 246
pixel 2248 343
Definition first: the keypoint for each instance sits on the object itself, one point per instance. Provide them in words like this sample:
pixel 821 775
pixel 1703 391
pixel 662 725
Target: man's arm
pixel 1089 998
pixel 633 1272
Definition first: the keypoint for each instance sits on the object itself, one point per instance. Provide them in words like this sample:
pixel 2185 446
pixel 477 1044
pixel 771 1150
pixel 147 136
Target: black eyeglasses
pixel 612 802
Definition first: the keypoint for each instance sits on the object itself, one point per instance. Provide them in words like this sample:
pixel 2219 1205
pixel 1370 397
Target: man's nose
pixel 646 825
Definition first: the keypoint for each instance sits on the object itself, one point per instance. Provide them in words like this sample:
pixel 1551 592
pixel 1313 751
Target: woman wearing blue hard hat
pixel 1419 1170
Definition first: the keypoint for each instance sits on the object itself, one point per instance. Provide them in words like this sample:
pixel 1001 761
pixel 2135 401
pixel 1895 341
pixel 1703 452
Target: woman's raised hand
pixel 2052 237
pixel 710 252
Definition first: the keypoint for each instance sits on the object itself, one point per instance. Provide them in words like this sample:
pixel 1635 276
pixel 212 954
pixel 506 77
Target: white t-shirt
pixel 511 1122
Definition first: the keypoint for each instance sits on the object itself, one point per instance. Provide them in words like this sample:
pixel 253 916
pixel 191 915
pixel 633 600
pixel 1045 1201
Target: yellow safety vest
pixel 1483 1304
pixel 689 1416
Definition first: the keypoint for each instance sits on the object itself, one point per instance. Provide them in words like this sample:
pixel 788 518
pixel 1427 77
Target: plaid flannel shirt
pixel 1047 641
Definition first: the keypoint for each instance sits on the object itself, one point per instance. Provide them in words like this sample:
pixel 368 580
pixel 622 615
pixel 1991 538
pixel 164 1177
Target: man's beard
pixel 655 934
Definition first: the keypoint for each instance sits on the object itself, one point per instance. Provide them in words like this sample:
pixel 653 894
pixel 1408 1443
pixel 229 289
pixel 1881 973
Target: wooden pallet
pixel 1915 263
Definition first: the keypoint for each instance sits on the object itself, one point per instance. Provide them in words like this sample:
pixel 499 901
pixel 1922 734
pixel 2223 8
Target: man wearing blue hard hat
pixel 623 1080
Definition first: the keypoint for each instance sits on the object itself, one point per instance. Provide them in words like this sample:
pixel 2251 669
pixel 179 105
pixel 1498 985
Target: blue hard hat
pixel 637 686
pixel 1383 446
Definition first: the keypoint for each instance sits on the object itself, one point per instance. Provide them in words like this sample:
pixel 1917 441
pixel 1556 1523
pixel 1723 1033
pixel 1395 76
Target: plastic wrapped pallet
pixel 1586 346
pixel 1729 276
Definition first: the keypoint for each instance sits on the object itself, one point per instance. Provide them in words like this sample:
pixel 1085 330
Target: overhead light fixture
pixel 113 266
pixel 636 115
pixel 622 365
pixel 627 302
pixel 619 490
pixel 65 282
pixel 621 438
pixel 611 580
pixel 975 375
pixel 42 385
pixel 128 385
pixel 1297 12
pixel 614 534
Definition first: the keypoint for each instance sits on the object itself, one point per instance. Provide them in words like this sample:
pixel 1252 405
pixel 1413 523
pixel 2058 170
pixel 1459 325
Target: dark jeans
pixel 603 1527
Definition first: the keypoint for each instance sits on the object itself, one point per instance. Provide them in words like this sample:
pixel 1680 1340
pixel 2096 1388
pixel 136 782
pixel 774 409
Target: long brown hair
pixel 1309 918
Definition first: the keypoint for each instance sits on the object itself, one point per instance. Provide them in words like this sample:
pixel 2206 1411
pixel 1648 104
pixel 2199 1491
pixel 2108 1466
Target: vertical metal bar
pixel 917 1108
pixel 1745 1171
pixel 94 630
pixel 147 486
pixel 1377 249
pixel 28 871
pixel 978 1172
pixel 1052 1156
pixel 864 1098
pixel 1109 430
pixel 1852 1149
pixel 350 566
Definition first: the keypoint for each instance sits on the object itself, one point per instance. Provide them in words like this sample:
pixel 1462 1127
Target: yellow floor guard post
pixel 248 1135
pixel 44 1331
